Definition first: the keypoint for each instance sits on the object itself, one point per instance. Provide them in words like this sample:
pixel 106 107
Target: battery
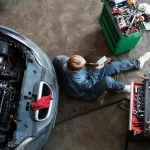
pixel 3 48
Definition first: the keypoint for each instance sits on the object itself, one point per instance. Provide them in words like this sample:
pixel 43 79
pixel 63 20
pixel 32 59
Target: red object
pixel 135 127
pixel 43 102
pixel 116 11
pixel 143 77
pixel 124 27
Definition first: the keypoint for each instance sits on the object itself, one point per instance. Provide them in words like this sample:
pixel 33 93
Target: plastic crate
pixel 116 40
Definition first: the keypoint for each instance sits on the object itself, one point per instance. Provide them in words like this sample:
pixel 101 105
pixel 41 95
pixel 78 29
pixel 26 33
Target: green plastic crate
pixel 117 42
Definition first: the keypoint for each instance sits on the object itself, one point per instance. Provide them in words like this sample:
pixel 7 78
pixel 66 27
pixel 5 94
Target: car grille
pixel 45 92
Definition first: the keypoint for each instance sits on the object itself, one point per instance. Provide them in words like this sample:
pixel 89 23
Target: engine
pixel 12 65
pixel 7 95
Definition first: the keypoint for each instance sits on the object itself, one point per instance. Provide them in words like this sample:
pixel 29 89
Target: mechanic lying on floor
pixel 89 85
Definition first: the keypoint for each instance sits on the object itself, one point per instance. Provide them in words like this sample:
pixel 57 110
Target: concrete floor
pixel 70 27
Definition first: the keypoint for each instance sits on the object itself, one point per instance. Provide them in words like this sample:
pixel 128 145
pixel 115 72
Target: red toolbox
pixel 139 119
pixel 136 119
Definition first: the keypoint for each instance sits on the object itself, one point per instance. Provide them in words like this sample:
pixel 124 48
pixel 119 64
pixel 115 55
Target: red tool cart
pixel 136 113
pixel 139 119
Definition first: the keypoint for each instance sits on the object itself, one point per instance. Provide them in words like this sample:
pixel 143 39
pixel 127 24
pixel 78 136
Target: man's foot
pixel 127 88
pixel 144 59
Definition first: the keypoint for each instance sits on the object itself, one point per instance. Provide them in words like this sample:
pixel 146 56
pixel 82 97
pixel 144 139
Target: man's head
pixel 75 63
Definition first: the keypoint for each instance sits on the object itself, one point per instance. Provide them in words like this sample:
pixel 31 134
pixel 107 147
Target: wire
pixel 86 112
pixel 8 60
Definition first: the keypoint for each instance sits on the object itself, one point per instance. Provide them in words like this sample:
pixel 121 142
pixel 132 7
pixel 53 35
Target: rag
pixel 42 103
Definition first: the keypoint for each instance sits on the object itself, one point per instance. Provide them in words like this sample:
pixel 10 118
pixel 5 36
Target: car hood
pixel 45 73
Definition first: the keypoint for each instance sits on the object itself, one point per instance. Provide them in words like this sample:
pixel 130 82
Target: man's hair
pixel 75 63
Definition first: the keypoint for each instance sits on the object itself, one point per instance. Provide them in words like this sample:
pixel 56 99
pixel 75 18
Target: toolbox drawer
pixel 117 42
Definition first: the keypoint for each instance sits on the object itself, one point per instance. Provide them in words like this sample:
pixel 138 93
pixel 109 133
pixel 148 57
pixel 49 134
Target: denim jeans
pixel 91 84
pixel 105 82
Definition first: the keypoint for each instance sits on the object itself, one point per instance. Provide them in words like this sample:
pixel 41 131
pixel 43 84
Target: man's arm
pixel 59 60
pixel 100 66
pixel 84 86
pixel 58 64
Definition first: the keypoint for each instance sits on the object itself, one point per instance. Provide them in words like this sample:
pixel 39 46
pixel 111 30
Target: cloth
pixel 91 84
pixel 43 102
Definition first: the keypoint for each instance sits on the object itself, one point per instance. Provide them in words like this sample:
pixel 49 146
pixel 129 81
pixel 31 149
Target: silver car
pixel 26 75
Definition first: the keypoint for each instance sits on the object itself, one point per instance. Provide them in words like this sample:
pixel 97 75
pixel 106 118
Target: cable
pixel 86 112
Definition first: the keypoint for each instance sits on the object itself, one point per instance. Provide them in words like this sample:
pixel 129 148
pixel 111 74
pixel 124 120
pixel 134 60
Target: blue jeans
pixel 105 82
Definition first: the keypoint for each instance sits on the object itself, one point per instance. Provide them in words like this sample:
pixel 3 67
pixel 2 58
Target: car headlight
pixel 26 141
pixel 33 143
pixel 38 142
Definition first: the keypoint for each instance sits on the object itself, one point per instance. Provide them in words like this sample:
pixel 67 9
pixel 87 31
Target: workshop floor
pixel 70 27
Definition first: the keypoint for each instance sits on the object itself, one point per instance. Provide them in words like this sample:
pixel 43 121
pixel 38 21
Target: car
pixel 26 75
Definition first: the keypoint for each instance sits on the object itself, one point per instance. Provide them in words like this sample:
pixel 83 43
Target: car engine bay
pixel 12 66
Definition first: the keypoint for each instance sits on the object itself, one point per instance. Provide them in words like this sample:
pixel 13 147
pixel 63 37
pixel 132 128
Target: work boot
pixel 126 89
pixel 144 59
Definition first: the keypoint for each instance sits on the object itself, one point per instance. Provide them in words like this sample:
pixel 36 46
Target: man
pixel 89 85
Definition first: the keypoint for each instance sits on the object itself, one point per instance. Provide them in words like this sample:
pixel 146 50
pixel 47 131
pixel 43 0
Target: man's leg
pixel 120 66
pixel 105 84
pixel 115 67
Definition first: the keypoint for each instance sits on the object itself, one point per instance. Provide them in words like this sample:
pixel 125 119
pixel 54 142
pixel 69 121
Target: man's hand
pixel 100 67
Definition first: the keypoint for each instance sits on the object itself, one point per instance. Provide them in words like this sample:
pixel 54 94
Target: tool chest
pixel 139 120
pixel 116 39
pixel 137 106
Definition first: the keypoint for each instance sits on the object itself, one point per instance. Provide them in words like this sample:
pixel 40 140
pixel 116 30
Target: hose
pixel 7 101
pixel 86 112
pixel 17 80
pixel 2 129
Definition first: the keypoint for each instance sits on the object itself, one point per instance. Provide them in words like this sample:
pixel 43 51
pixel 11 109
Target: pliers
pixel 116 11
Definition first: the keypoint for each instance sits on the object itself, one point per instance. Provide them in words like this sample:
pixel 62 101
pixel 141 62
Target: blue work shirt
pixel 77 83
